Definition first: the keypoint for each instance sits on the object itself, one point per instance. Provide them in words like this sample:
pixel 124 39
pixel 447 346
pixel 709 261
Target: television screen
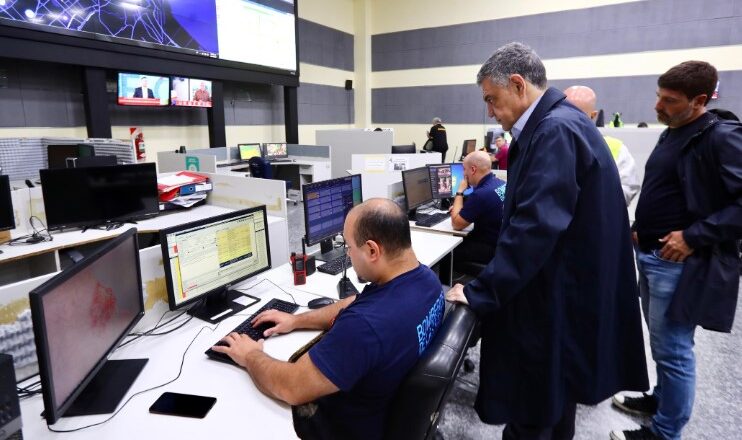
pixel 143 89
pixel 189 92
pixel 258 32
pixel 92 196
pixel 7 216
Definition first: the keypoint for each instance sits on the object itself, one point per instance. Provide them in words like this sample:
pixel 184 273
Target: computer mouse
pixel 320 302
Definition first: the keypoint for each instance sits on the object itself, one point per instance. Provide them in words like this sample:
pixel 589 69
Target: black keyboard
pixel 281 159
pixel 256 333
pixel 334 267
pixel 430 219
pixel 230 164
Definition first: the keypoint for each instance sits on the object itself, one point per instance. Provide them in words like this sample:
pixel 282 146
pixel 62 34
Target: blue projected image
pixel 184 24
pixel 457 175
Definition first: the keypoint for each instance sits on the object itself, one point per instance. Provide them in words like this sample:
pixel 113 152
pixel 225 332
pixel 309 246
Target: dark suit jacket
pixel 138 93
pixel 558 302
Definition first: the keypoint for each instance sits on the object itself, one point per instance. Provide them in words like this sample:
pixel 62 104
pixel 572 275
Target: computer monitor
pixel 469 146
pixel 248 151
pixel 79 317
pixel 275 151
pixel 417 189
pixel 403 149
pixel 326 204
pixel 7 217
pixel 84 197
pixel 57 155
pixel 143 89
pixel 457 175
pixel 205 258
pixel 441 181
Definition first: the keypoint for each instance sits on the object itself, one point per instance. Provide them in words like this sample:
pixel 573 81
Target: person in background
pixel 584 98
pixel 483 207
pixel 642 125
pixel 202 94
pixel 438 134
pixel 372 340
pixel 558 302
pixel 501 155
pixel 142 91
pixel 688 221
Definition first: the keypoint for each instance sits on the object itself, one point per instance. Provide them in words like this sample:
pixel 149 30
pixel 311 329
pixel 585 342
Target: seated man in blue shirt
pixel 373 339
pixel 483 207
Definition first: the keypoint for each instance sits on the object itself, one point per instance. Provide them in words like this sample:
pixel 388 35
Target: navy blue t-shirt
pixel 484 208
pixel 372 346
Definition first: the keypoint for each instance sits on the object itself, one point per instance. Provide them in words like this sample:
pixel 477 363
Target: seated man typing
pixel 374 339
pixel 483 208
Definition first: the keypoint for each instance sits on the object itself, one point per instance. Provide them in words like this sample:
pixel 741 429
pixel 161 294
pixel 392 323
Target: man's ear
pixel 519 83
pixel 373 249
pixel 700 100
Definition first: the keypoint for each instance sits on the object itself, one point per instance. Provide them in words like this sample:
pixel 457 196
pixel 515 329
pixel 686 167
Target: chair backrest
pixel 259 167
pixel 428 146
pixel 415 410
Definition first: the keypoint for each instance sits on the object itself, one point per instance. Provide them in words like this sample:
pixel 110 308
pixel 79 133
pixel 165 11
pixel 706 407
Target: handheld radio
pixel 299 267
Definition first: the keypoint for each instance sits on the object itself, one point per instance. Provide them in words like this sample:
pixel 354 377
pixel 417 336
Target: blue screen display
pixel 457 175
pixel 327 203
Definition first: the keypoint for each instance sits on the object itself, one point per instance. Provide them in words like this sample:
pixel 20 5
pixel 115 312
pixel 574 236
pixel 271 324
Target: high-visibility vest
pixel 614 145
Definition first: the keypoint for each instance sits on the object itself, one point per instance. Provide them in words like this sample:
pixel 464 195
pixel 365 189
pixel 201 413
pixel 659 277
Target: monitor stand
pixel 108 387
pixel 327 252
pixel 219 306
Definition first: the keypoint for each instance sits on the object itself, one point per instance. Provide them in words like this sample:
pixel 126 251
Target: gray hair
pixel 437 120
pixel 513 58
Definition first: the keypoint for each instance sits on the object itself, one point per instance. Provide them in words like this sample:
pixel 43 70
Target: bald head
pixel 583 98
pixel 382 221
pixel 480 160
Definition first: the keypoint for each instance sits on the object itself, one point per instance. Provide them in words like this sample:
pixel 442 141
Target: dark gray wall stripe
pixel 629 27
pixel 320 104
pixel 325 46
pixel 633 96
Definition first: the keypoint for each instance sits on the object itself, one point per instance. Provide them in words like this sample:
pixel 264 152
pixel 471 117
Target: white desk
pixel 241 410
pixel 444 227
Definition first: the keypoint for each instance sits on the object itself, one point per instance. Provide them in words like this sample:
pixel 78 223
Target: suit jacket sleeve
pixel 545 195
pixel 725 224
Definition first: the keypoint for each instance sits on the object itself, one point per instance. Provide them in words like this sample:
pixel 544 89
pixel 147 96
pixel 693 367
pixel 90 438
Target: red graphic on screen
pixel 103 306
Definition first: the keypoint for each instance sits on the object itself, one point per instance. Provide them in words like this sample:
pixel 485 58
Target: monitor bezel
pixel 304 192
pixel 5 183
pixel 466 142
pixel 58 226
pixel 267 156
pixel 35 296
pixel 260 148
pixel 203 222
pixel 404 187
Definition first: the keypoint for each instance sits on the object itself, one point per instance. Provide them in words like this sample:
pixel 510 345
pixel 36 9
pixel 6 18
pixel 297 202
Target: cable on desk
pixel 38 236
pixel 180 371
pixel 279 287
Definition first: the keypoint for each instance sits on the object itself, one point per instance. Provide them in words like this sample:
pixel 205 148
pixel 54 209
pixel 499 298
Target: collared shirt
pixel 484 208
pixel 521 122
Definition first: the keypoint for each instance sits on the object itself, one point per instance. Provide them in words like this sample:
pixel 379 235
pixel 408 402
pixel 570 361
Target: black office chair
pixel 415 410
pixel 427 146
pixel 261 168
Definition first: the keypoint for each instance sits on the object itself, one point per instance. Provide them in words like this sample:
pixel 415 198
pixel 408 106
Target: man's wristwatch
pixel 460 194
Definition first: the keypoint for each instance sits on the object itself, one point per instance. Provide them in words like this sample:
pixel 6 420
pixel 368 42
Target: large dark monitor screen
pixel 441 181
pixel 326 204
pixel 275 151
pixel 190 92
pixel 7 217
pixel 403 149
pixel 82 197
pixel 469 146
pixel 143 89
pixel 205 258
pixel 79 317
pixel 416 184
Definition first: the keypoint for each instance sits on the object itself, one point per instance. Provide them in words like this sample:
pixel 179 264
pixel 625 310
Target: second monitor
pixel 205 258
pixel 275 151
pixel 326 204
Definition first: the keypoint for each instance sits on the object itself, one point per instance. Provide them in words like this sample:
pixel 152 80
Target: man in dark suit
pixel 142 90
pixel 437 134
pixel 558 302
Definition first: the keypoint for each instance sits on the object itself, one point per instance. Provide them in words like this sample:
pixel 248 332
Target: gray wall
pixel 35 94
pixel 614 29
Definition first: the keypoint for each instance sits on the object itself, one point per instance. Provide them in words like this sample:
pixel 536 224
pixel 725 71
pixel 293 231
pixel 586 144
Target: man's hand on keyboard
pixel 238 347
pixel 284 322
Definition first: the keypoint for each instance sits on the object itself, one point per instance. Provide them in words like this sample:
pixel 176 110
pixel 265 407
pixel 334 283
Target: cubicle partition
pixel 381 170
pixel 171 162
pixel 344 143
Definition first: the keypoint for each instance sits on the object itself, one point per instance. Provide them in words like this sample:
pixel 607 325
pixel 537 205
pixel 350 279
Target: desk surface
pixel 444 227
pixel 241 410
pixel 294 160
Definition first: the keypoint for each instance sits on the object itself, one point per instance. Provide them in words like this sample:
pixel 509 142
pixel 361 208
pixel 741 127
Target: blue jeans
pixel 671 343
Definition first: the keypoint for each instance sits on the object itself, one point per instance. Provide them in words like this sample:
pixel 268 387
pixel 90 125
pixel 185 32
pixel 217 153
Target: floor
pixel 718 407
